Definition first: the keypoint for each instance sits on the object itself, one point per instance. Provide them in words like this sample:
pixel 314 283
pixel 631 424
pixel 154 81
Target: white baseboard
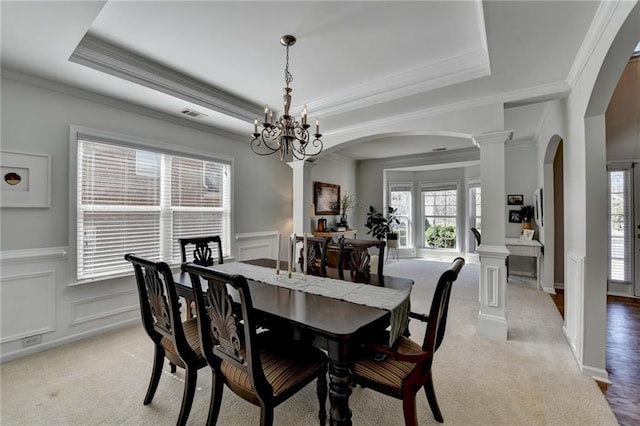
pixel 67 339
pixel 597 373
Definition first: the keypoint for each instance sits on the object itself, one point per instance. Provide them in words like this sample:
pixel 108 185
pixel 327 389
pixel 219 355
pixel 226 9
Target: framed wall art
pixel 515 216
pixel 25 180
pixel 515 200
pixel 326 197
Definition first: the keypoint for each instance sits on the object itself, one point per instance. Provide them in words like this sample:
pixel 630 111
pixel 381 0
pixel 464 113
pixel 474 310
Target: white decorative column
pixel 302 195
pixel 492 319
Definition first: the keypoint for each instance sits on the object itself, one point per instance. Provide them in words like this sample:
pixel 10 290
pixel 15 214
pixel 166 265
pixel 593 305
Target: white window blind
pixel 620 225
pixel 140 201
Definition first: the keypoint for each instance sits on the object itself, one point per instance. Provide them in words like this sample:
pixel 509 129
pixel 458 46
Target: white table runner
pixel 393 300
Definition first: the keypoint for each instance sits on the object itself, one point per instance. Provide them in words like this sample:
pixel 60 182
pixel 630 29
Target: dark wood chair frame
pixel 359 258
pixel 420 376
pixel 316 254
pixel 202 253
pixel 161 319
pixel 233 327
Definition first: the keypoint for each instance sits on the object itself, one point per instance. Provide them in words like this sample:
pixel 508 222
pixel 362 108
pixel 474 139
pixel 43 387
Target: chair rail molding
pixel 34 255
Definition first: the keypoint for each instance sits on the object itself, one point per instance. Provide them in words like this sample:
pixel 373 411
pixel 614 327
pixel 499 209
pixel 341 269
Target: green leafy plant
pixel 380 226
pixel 441 236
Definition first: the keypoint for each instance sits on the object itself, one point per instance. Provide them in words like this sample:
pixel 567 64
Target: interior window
pixel 440 207
pixel 400 198
pixel 141 201
pixel 620 225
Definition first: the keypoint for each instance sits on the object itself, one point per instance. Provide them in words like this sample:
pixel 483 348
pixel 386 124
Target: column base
pixel 492 327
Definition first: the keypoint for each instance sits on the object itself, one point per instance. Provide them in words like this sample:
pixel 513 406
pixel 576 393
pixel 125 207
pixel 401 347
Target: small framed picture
pixel 25 179
pixel 515 200
pixel 515 216
pixel 527 234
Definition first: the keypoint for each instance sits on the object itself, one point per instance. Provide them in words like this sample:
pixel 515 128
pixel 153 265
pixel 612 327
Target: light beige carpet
pixel 531 379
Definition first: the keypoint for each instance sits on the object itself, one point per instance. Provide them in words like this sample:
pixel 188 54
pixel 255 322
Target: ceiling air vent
pixel 192 113
pixel 439 149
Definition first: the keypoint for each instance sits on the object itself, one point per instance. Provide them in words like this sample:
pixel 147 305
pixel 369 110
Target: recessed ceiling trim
pixel 101 55
pixel 454 70
pixel 552 91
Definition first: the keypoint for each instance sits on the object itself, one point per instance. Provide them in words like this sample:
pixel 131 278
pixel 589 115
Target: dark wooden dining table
pixel 334 325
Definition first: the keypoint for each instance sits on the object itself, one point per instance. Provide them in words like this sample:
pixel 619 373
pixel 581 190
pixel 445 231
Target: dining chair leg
pixel 190 379
pixel 322 391
pixel 156 372
pixel 216 398
pixel 409 410
pixel 173 367
pixel 433 401
pixel 266 415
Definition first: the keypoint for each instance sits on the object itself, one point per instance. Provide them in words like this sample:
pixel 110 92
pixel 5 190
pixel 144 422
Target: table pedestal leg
pixel 339 391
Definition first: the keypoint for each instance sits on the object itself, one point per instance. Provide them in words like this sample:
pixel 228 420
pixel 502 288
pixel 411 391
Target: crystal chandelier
pixel 286 135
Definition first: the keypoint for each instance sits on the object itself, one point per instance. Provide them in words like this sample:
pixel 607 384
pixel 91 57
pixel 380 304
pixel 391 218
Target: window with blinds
pixel 140 201
pixel 620 225
pixel 440 207
pixel 475 209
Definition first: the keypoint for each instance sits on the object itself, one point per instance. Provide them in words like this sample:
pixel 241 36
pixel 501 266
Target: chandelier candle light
pixel 286 135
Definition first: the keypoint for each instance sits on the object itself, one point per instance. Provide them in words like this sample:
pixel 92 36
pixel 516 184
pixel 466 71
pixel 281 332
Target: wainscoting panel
pixel 103 306
pixel 574 295
pixel 258 245
pixel 28 305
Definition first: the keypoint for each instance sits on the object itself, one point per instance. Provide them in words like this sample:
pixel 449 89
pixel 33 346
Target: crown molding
pixel 457 69
pixel 101 55
pixel 549 91
pixel 31 80
pixel 595 32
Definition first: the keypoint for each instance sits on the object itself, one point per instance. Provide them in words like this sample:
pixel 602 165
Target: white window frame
pixel 471 209
pixel 398 186
pixel 628 233
pixel 434 187
pixel 127 141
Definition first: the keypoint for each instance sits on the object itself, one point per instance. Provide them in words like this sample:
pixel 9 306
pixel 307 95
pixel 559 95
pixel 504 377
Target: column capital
pixel 492 138
pixel 301 164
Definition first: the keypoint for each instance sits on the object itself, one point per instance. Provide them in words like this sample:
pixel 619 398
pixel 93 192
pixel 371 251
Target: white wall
pixel 337 170
pixel 36 119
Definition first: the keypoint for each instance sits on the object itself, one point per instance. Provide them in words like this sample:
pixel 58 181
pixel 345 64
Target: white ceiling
pixel 401 77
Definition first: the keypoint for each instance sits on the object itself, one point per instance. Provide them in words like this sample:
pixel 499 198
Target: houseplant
pixel 347 204
pixel 526 213
pixel 381 226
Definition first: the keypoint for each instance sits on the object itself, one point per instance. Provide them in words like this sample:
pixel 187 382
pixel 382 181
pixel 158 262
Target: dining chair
pixel 316 254
pixel 354 256
pixel 174 339
pixel 401 370
pixel 202 252
pixel 263 368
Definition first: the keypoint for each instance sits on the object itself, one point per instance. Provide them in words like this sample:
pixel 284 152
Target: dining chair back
pixel 477 236
pixel 401 370
pixel 316 254
pixel 202 253
pixel 262 368
pixel 174 339
pixel 354 256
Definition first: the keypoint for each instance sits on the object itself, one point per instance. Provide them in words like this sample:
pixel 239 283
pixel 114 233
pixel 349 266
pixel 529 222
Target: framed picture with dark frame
pixel 515 200
pixel 515 216
pixel 326 198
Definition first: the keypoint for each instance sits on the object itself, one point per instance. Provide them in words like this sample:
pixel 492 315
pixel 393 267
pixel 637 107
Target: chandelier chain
pixel 288 78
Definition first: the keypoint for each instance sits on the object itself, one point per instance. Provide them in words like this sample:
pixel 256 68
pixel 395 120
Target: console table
pixel 527 248
pixel 335 234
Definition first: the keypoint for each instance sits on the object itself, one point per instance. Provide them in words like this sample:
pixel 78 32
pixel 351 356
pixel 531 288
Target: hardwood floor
pixel 623 356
